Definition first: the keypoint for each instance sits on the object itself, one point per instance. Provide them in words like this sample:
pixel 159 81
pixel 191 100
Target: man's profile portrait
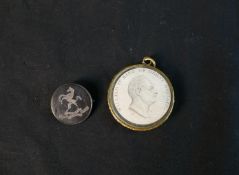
pixel 143 94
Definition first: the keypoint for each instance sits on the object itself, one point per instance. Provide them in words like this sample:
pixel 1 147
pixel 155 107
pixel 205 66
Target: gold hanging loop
pixel 149 61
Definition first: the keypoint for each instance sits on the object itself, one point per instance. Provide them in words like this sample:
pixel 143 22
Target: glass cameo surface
pixel 71 104
pixel 141 96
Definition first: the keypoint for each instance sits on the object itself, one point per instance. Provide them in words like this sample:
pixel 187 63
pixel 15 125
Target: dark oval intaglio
pixel 71 104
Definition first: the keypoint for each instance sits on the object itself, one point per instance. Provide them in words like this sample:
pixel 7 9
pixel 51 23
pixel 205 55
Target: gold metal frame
pixel 146 63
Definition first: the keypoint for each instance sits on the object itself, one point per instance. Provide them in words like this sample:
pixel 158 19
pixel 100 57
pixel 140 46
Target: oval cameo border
pixel 121 119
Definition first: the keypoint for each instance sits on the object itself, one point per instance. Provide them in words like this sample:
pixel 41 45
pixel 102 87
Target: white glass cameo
pixel 141 97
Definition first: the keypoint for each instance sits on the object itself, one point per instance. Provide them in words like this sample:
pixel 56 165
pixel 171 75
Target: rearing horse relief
pixel 69 98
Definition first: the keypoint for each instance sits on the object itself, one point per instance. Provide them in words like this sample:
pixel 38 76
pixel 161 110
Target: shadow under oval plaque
pixel 141 97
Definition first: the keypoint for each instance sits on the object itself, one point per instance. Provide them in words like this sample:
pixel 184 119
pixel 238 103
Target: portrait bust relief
pixel 143 94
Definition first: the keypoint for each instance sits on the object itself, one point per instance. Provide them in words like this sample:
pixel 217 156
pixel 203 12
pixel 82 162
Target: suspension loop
pixel 149 61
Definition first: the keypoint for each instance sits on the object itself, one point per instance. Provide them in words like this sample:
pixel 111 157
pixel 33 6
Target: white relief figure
pixel 71 102
pixel 143 94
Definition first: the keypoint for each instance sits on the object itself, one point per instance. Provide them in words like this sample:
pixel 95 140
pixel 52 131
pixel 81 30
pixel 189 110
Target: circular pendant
pixel 71 104
pixel 141 97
